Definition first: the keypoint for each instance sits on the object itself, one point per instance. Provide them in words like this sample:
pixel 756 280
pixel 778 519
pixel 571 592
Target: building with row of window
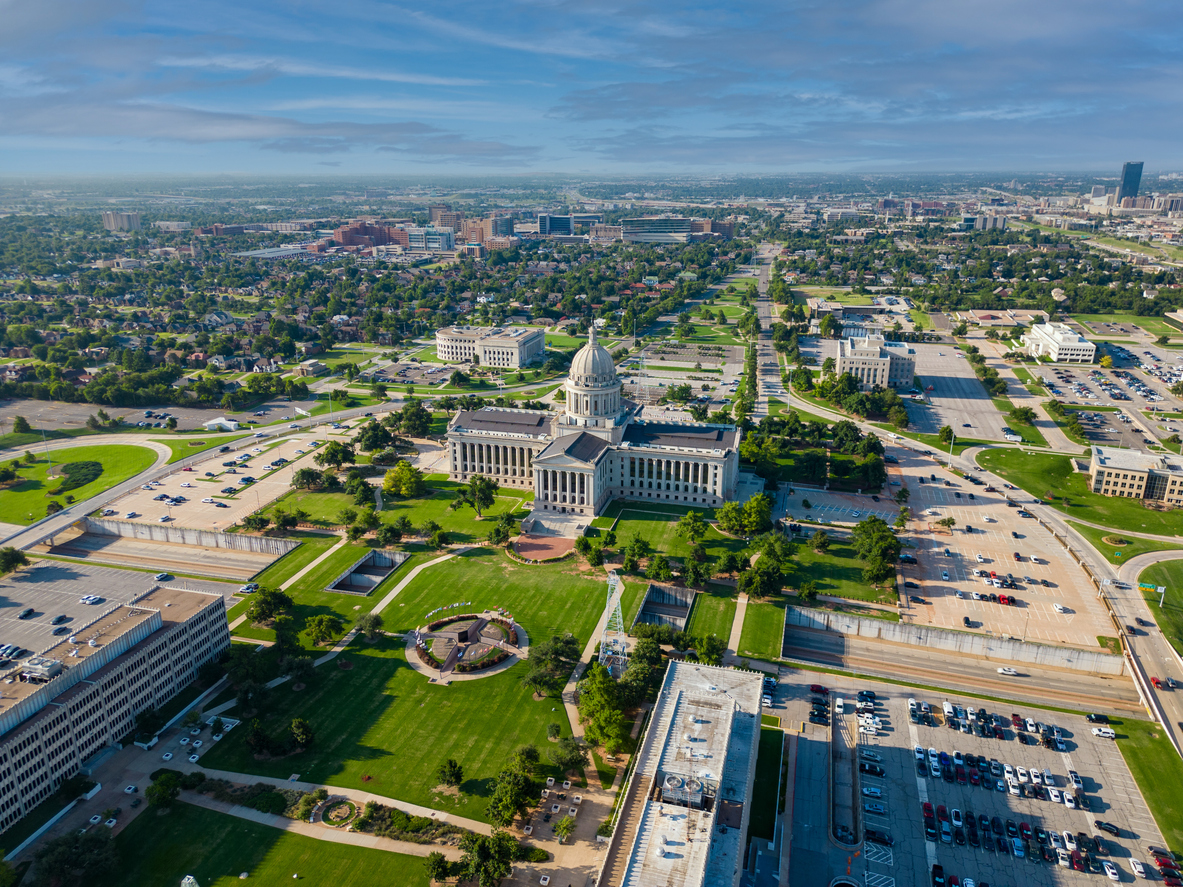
pixel 84 693
pixel 1130 474
pixel 875 362
pixel 511 347
pixel 597 450
pixel 1059 342
pixel 117 221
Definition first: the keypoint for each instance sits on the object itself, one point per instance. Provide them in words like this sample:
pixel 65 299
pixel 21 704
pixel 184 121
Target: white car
pixel 1057 841
pixel 130 790
pixel 981 560
pixel 1062 857
pixel 867 731
pixel 1104 732
pixel 945 575
pixel 293 425
pixel 186 484
pixel 933 757
pixel 1006 670
pixel 1069 801
pixel 1009 771
pixel 871 792
pixel 1021 772
pixel 160 577
pixel 163 519
pixel 856 514
pixel 129 515
pixel 1110 870
pixel 919 751
pixel 1036 779
pixel 208 500
pixel 1069 840
pixel 1139 869
pixel 167 756
pixel 1054 794
pixel 1059 608
pixel 975 596
pixel 959 595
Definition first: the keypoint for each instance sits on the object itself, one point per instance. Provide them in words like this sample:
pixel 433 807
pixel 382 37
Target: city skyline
pixel 123 87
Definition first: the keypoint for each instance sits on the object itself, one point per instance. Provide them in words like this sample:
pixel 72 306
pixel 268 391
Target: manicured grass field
pixel 215 848
pixel 1158 770
pixel 838 572
pixel 313 545
pixel 547 599
pixel 763 629
pixel 383 720
pixel 1040 473
pixel 1170 616
pixel 1031 435
pixel 26 501
pixel 1111 553
pixel 659 533
pixel 322 508
pixel 764 793
pixel 189 446
pixel 713 612
pixel 461 525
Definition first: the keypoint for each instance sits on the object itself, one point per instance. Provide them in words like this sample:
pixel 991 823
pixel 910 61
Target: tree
pixel 480 492
pixel 439 540
pixel 388 535
pixel 335 454
pixel 437 865
pixel 807 592
pixel 550 662
pixel 306 479
pixel 763 580
pixel 164 791
pixel 945 434
pixel 569 753
pixel 267 603
pixel 1106 361
pixel 731 518
pixel 947 522
pixel 370 624
pixel 829 327
pixel 902 495
pixel 659 569
pixel 256 523
pixel 1162 340
pixel 405 480
pixel 600 711
pixel 11 558
pixel 829 365
pixel 61 860
pixel 820 541
pixel 691 527
pixel 710 649
pixel 450 772
pixel 486 859
pixel 301 732
pixel 285 521
pixel 20 425
pixel 322 627
pixel 513 793
pixel 346 515
pixel 1022 415
pixel 564 828
pixel 757 514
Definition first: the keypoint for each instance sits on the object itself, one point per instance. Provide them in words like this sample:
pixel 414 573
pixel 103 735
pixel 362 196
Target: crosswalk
pixel 874 879
pixel 878 853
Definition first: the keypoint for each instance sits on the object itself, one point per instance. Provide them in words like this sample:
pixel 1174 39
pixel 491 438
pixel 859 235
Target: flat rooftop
pixel 504 421
pixel 681 435
pixel 1118 459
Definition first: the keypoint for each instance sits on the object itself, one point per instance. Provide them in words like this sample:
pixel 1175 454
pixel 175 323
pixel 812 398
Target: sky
pixel 589 88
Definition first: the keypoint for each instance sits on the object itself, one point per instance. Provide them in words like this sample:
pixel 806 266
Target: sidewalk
pixel 741 608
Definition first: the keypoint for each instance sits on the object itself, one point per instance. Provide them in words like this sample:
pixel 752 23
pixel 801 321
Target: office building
pixel 1131 180
pixel 1059 342
pixel 114 221
pixel 513 346
pixel 685 815
pixel 430 240
pixel 1131 474
pixel 550 226
pixel 876 362
pixel 85 692
pixel 657 229
pixel 597 450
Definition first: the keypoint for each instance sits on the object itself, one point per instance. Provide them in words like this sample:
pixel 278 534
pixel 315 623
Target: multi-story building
pixel 430 240
pixel 511 347
pixel 1130 474
pixel 875 362
pixel 597 450
pixel 1131 180
pixel 85 692
pixel 657 229
pixel 1059 342
pixel 551 226
pixel 686 808
pixel 116 221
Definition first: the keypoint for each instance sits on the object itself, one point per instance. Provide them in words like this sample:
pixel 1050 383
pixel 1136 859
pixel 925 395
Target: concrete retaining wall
pixel 1003 652
pixel 188 536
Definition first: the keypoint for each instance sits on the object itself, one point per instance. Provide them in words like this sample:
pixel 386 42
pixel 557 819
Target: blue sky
pixel 258 86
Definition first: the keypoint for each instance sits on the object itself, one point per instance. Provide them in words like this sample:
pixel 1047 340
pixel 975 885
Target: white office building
pixel 876 362
pixel 1059 342
pixel 511 347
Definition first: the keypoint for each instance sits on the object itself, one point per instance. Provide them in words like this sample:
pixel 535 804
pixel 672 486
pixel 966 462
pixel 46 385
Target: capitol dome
pixel 593 366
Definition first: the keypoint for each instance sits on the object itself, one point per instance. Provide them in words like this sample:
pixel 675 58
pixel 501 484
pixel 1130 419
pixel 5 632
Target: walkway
pixel 316 830
pixel 741 608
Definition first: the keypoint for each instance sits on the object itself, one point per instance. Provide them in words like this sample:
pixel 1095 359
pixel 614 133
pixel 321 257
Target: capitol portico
pixel 597 450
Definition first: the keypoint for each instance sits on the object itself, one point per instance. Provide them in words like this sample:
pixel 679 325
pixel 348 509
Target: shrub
pixel 77 474
pixel 270 802
pixel 530 854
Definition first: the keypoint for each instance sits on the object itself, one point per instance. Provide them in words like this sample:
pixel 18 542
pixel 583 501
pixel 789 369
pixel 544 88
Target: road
pixel 964 673
pixel 768 367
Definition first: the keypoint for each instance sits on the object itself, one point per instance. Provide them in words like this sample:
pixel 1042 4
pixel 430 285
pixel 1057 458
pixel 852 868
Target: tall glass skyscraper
pixel 1131 178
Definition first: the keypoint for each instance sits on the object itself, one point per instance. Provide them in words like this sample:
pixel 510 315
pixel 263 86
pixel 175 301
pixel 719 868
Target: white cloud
pixel 306 69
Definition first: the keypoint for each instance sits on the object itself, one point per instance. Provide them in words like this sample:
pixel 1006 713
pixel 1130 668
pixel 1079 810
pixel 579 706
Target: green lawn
pixel 160 849
pixel 313 545
pixel 659 533
pixel 1043 473
pixel 1158 770
pixel 1031 435
pixel 1170 615
pixel 382 727
pixel 461 525
pixel 186 446
pixel 25 502
pixel 322 508
pixel 838 572
pixel 763 630
pixel 713 612
pixel 1155 326
pixel 1135 547
pixel 764 794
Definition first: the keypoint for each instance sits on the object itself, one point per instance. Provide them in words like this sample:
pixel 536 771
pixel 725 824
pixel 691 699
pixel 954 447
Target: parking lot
pixel 901 790
pixel 957 399
pixel 994 526
pixel 196 486
pixel 54 588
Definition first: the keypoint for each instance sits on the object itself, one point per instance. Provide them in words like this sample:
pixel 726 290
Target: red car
pixel 818 688
pixel 942 813
pixel 927 807
pixel 1163 863
pixel 1002 599
pixel 1157 683
pixel 1171 882
pixel 1016 721
pixel 187 468
pixel 974 777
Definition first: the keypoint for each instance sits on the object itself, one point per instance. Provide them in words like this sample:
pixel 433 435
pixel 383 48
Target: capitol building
pixel 600 448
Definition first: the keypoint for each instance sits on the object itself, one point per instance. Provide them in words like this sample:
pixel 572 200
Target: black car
pixel 959 837
pixel 1002 846
pixel 1014 535
pixel 911 584
pixel 1097 719
pixel 938 875
pixel 996 825
pixel 877 837
pixel 1107 827
pixel 916 599
pixel 921 768
pixel 223 449
pixel 871 769
pixel 866 694
pixel 819 720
